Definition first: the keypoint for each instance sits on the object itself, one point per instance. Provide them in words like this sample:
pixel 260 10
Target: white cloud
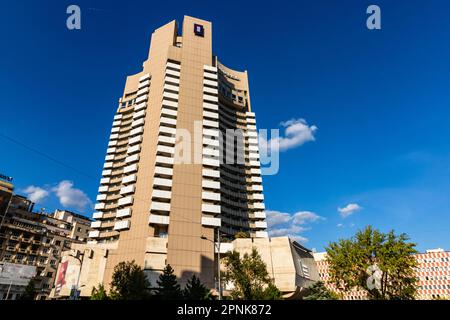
pixel 36 194
pixel 349 209
pixel 71 197
pixel 282 224
pixel 340 225
pixel 297 132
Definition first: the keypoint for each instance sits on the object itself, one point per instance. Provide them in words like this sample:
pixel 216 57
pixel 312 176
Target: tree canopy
pixel 318 291
pixel 129 282
pixel 249 277
pixel 382 264
pixel 168 287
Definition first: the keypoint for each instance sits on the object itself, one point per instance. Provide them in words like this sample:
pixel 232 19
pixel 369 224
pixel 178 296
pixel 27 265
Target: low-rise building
pixel 290 265
pixel 432 272
pixel 37 239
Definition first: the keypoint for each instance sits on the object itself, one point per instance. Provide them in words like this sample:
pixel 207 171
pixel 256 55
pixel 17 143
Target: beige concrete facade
pixel 158 196
pixel 290 265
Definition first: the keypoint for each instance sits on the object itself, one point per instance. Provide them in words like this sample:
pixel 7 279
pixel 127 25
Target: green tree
pixel 129 282
pixel 241 234
pixel 195 290
pixel 29 292
pixel 249 276
pixel 351 262
pixel 100 293
pixel 318 291
pixel 168 287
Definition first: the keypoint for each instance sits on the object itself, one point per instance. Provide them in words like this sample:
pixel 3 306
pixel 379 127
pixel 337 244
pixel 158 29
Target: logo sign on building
pixel 16 274
pixel 199 30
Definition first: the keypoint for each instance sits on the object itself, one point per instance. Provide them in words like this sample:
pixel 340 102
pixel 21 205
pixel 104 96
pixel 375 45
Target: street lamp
pixel 79 274
pixel 217 246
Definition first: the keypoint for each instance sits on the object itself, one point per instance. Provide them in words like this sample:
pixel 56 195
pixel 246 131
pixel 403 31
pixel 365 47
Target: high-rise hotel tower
pixel 163 197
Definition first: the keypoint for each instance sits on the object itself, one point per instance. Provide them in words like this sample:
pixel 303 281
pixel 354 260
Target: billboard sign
pixel 16 274
pixel 61 279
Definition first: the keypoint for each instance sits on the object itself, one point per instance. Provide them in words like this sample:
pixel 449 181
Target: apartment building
pixel 432 272
pixel 37 239
pixel 165 182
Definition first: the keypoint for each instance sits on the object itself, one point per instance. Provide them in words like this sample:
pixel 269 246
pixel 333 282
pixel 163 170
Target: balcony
pixel 125 201
pixel 130 169
pixel 168 121
pixel 144 78
pixel 129 179
pixel 259 205
pixel 136 131
pixel 209 114
pixel 108 165
pixel 168 112
pixel 116 123
pixel 210 208
pixel 258 215
pixel 96 224
pixel 162 182
pixel 210 162
pixel 170 104
pixel 210 83
pixel 173 65
pixel 211 173
pixel 210 124
pixel 123 213
pixel 173 73
pixel 168 95
pixel 211 133
pixel 209 98
pixel 135 140
pixel 127 190
pixel 133 149
pixel 210 106
pixel 156 245
pixel 103 189
pixel 111 150
pixel 138 123
pixel 161 194
pixel 165 150
pixel 122 225
pixel 99 206
pixel 139 115
pixel 211 222
pixel 258 225
pixel 213 196
pixel 163 171
pixel 166 130
pixel 97 215
pixel 210 90
pixel 169 87
pixel 158 219
pixel 261 234
pixel 141 98
pixel 142 91
pixel 164 160
pixel 101 197
pixel 208 184
pixel 166 140
pixel 160 206
pixel 144 83
pixel 131 159
pixel 109 157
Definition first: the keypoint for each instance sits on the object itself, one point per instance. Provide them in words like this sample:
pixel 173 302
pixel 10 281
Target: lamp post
pixel 217 246
pixel 79 274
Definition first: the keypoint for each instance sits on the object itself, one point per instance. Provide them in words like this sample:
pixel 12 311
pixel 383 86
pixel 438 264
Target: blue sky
pixel 379 99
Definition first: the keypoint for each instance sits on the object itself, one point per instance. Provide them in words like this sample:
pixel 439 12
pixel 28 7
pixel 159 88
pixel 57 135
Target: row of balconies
pixel 162 181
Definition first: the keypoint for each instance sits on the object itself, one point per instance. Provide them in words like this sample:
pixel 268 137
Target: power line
pixel 67 166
